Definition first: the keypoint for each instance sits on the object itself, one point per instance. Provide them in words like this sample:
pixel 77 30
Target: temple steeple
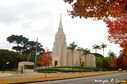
pixel 60 46
pixel 60 33
pixel 60 24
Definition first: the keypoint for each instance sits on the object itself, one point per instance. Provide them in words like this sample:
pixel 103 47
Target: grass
pixel 46 71
pixel 38 79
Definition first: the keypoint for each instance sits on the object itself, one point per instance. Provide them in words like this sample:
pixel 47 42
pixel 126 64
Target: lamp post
pixel 3 65
pixel 35 66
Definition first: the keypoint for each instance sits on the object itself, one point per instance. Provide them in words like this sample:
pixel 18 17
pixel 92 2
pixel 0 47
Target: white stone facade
pixel 63 57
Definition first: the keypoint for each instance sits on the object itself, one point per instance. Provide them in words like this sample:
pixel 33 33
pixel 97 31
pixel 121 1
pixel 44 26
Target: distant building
pixel 63 57
pixel 24 67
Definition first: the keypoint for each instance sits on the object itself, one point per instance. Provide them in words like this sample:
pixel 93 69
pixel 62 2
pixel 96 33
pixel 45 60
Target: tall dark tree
pixel 24 46
pixel 86 51
pixel 112 55
pixel 33 48
pixel 99 60
pixel 103 46
pixel 10 59
pixel 19 40
pixel 79 49
pixel 96 47
pixel 72 47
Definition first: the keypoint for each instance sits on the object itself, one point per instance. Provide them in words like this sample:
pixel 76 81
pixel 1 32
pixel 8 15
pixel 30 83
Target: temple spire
pixel 60 24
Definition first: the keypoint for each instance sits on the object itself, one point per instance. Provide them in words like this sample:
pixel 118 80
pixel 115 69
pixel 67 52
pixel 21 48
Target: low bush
pixel 76 69
pixel 46 71
pixel 67 69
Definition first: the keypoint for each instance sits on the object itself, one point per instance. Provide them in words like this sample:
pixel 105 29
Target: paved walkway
pixel 6 73
pixel 13 75
pixel 27 75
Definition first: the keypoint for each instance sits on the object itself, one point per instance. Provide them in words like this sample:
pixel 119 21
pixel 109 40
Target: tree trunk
pixel 72 60
pixel 45 73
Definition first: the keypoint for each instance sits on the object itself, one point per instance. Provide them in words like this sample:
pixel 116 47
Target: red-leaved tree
pixel 45 60
pixel 117 30
pixel 122 61
pixel 98 9
pixel 113 63
pixel 125 62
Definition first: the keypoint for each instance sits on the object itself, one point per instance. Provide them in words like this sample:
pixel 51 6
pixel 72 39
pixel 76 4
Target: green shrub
pixel 67 69
pixel 46 71
pixel 75 69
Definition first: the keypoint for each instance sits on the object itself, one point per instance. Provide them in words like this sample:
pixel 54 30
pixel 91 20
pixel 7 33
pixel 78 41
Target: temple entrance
pixel 56 63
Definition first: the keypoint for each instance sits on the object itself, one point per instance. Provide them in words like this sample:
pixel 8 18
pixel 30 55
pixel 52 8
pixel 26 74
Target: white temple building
pixel 63 57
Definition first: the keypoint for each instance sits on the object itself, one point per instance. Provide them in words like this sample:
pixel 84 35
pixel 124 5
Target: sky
pixel 40 18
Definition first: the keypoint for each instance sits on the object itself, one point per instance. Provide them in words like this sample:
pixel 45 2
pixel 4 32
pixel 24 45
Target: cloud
pixel 22 10
pixel 25 17
pixel 10 14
